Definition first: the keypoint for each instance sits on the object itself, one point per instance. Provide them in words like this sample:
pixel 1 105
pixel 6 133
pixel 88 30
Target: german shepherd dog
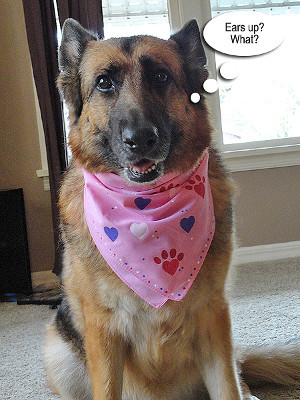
pixel 131 116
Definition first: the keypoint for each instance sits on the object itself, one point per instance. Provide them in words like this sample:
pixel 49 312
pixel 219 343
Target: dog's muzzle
pixel 139 146
pixel 140 141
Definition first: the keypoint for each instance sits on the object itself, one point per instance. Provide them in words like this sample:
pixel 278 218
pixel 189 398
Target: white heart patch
pixel 139 230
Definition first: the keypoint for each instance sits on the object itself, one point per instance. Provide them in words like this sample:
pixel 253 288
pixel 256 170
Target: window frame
pixel 247 156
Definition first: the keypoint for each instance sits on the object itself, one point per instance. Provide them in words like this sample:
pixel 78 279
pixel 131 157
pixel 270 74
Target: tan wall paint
pixel 267 207
pixel 19 142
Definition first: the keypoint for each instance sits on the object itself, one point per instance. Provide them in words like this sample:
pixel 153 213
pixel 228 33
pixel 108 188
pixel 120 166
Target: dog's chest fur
pixel 153 338
pixel 152 335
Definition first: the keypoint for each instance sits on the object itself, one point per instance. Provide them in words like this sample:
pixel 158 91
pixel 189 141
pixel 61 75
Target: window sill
pixel 262 158
pixel 44 174
pixel 241 160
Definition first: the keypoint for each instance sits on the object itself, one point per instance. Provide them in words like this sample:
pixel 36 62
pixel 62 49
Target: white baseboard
pixel 268 252
pixel 45 278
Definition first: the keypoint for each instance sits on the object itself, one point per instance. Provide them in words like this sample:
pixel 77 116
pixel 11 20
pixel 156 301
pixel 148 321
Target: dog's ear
pixel 74 41
pixel 190 47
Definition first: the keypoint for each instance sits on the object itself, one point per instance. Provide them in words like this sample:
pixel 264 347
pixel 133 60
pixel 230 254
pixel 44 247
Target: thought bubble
pixel 244 33
pixel 229 70
pixel 195 97
pixel 210 85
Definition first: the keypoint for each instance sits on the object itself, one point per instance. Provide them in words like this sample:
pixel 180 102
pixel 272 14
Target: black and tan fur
pixel 106 343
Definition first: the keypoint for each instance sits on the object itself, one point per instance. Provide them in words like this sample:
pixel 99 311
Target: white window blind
pixel 218 6
pixel 135 17
pixel 129 8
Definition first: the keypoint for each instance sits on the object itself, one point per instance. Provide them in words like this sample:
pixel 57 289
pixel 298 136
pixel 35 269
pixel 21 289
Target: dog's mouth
pixel 144 171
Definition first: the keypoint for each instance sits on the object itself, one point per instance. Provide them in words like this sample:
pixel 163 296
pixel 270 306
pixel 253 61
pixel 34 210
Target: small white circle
pixel 195 97
pixel 229 70
pixel 210 85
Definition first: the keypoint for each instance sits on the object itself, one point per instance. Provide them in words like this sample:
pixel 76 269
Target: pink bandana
pixel 154 238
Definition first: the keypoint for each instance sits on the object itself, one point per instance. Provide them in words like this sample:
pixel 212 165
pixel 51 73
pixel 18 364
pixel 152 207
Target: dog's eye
pixel 104 83
pixel 161 78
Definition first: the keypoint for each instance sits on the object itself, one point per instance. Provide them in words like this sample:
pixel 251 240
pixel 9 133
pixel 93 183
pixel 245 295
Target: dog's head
pixel 129 101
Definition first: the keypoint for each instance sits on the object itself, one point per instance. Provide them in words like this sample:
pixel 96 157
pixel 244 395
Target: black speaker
pixel 15 275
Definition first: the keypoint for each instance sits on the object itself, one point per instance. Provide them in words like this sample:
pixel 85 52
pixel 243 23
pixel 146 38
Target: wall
pixel 19 142
pixel 266 207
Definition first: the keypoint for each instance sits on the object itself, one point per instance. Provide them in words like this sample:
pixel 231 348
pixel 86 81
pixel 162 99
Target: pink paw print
pixel 198 185
pixel 169 266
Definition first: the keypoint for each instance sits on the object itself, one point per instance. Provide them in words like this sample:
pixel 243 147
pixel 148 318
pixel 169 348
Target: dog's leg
pixel 219 368
pixel 105 358
pixel 247 393
pixel 67 373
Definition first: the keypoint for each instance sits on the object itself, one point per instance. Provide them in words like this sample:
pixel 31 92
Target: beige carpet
pixel 265 308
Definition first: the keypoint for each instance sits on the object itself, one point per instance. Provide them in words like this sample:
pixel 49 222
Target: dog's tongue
pixel 142 167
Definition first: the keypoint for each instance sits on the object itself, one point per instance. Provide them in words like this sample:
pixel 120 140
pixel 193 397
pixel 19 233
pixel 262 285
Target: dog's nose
pixel 141 140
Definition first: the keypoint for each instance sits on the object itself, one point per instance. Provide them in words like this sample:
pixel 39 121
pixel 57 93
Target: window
pixel 263 102
pixel 262 151
pixel 65 111
pixel 135 17
pixel 260 109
